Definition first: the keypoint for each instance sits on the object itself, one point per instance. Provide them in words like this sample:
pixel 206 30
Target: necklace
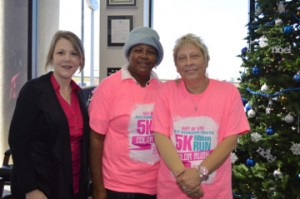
pixel 196 94
pixel 195 104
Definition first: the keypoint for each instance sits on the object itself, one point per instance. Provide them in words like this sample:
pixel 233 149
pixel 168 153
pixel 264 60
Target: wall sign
pixel 120 3
pixel 118 28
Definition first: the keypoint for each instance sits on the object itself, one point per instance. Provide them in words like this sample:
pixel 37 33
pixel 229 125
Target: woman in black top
pixel 49 130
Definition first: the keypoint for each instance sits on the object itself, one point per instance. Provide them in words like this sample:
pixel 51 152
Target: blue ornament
pixel 255 70
pixel 247 107
pixel 299 176
pixel 250 162
pixel 288 29
pixel 244 51
pixel 244 101
pixel 297 77
pixel 270 131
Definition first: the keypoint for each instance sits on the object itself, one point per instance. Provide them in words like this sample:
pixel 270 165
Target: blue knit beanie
pixel 144 35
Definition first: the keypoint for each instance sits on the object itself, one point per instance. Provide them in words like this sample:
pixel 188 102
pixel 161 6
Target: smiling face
pixel 142 59
pixel 65 59
pixel 190 62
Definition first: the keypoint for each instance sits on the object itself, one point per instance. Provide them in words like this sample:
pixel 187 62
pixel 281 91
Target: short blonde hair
pixel 75 41
pixel 190 39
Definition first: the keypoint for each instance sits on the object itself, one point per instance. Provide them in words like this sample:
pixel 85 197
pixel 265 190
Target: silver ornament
pixel 264 88
pixel 289 119
pixel 278 22
pixel 251 113
pixel 277 173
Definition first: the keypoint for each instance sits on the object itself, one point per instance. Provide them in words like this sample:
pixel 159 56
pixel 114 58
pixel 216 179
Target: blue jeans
pixel 123 195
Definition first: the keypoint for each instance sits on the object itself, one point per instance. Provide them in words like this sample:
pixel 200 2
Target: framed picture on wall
pixel 111 71
pixel 118 28
pixel 120 3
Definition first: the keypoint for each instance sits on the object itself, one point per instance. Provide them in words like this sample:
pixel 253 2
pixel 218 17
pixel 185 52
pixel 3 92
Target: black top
pixel 39 140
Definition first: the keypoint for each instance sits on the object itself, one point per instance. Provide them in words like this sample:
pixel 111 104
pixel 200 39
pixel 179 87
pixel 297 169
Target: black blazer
pixel 39 140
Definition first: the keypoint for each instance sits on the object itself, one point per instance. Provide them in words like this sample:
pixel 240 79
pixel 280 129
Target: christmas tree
pixel 266 163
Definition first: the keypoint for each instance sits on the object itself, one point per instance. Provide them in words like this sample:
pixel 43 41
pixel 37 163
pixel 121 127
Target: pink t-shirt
pixel 122 111
pixel 196 124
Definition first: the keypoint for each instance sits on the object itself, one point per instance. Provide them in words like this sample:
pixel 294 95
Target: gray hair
pixel 190 39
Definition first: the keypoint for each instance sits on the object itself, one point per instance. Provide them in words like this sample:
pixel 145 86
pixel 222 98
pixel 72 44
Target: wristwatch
pixel 203 173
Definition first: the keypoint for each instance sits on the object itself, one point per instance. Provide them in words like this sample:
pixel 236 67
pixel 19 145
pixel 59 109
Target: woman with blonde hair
pixel 49 131
pixel 196 122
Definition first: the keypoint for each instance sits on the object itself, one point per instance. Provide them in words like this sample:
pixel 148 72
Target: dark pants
pixel 122 195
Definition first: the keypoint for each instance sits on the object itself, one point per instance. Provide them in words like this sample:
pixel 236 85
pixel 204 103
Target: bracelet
pixel 203 173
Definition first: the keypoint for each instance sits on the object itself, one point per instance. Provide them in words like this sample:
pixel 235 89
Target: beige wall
pixel 112 56
pixel 14 38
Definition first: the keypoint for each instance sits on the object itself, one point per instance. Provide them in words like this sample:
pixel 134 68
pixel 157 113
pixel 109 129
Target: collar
pixel 56 86
pixel 125 74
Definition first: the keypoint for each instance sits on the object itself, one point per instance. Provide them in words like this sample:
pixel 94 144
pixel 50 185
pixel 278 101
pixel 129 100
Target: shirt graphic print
pixel 194 139
pixel 141 140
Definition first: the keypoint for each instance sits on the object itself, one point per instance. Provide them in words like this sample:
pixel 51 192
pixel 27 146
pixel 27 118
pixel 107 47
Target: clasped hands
pixel 189 182
pixel 35 194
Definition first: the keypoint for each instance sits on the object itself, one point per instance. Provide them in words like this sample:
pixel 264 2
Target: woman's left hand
pixel 188 180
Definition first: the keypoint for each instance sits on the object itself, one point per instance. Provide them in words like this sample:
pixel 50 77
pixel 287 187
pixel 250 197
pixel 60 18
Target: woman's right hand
pixel 35 194
pixel 188 179
pixel 189 182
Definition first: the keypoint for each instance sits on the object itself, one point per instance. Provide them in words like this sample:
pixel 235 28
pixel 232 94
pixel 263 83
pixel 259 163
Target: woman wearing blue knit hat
pixel 123 157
